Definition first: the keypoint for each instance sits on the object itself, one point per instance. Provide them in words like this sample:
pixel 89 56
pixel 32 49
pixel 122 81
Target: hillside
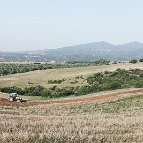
pixel 115 119
pixel 105 116
pixel 59 83
pixel 83 52
pixel 69 74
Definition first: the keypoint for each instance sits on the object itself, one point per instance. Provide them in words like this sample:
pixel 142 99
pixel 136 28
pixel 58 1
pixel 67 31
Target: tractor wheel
pixel 18 100
pixel 11 99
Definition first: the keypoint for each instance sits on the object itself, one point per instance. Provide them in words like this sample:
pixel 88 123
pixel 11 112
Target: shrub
pixel 141 60
pixel 134 61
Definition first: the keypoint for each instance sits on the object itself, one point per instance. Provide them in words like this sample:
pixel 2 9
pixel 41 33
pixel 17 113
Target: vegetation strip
pixel 4 102
pixel 102 81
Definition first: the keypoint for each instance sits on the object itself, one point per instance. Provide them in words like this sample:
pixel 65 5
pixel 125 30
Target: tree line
pixel 12 68
pixel 134 61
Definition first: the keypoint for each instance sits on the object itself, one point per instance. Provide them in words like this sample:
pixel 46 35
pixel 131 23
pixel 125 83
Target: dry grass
pixel 88 128
pixel 114 120
pixel 42 77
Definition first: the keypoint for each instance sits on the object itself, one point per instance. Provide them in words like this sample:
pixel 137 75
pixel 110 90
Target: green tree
pixel 134 61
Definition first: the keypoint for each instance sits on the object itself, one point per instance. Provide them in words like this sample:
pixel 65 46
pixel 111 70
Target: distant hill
pixel 83 52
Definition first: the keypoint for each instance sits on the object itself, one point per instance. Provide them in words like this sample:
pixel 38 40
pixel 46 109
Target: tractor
pixel 15 97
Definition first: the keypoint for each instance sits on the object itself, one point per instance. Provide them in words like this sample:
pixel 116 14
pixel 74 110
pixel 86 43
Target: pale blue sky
pixel 46 24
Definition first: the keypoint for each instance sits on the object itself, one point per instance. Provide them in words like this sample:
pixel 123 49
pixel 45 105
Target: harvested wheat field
pixel 115 118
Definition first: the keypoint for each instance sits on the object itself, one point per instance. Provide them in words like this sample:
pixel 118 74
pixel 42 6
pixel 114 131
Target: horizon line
pixel 71 46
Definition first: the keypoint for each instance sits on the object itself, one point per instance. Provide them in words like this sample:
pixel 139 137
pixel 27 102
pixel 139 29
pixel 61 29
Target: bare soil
pixel 5 102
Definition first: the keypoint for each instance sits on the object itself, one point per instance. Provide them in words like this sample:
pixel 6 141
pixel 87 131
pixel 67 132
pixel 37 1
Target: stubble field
pixel 115 119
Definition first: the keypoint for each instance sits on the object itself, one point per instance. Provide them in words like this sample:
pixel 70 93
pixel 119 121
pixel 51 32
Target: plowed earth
pixel 5 102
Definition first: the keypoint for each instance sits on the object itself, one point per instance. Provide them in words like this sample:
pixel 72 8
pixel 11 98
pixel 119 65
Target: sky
pixel 47 24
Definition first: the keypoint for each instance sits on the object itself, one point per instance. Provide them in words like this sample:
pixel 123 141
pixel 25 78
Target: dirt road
pixel 5 102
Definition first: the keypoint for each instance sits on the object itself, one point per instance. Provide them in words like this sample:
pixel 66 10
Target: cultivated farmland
pixel 109 116
pixel 114 119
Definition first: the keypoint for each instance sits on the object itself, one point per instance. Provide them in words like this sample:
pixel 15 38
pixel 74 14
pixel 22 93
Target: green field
pixel 69 74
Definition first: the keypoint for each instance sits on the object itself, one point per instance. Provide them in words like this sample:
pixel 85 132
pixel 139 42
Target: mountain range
pixel 83 52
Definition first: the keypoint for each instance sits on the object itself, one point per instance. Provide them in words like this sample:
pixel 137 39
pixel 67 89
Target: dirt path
pixel 4 102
